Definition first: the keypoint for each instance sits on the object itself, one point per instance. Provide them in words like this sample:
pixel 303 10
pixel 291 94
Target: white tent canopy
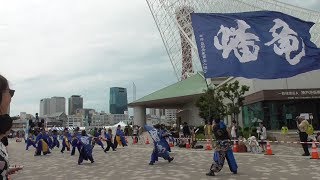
pixel 114 127
pixel 121 123
pixel 62 128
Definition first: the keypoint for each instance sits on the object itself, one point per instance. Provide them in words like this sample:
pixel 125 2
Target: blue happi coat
pixel 122 138
pixel 160 144
pixel 86 147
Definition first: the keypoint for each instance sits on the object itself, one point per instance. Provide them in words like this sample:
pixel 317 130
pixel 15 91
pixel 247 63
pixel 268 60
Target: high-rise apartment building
pixel 118 100
pixel 75 102
pixel 44 107
pixel 57 104
pixel 168 114
pixel 171 114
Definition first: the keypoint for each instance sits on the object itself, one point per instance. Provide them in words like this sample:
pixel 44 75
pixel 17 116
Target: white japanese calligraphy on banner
pixel 288 42
pixel 238 41
pixel 243 44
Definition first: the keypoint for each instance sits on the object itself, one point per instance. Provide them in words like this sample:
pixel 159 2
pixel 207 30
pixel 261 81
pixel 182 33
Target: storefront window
pixel 252 114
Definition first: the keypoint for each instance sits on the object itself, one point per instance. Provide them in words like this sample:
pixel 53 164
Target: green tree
pixel 234 94
pixel 211 105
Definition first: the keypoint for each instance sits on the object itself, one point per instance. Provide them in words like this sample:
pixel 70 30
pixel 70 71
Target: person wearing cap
pixel 302 125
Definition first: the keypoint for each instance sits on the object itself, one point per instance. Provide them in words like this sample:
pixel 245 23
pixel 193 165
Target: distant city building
pixel 74 121
pixel 87 115
pixel 162 116
pixel 157 112
pixel 23 115
pixel 116 118
pixel 57 104
pixel 118 100
pixel 101 119
pixel 18 125
pixel 56 119
pixel 44 107
pixel 30 116
pixel 75 102
pixel 168 114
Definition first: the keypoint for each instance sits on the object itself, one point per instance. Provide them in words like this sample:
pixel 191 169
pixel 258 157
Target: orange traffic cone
pixel 208 145
pixel 147 141
pixel 269 150
pixel 314 152
pixel 235 146
pixel 171 144
pixel 187 145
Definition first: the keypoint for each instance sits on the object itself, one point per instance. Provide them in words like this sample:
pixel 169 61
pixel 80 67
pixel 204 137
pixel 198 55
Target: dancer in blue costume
pixel 31 141
pixel 223 150
pixel 55 142
pixel 108 139
pixel 76 141
pixel 165 134
pixel 119 138
pixel 160 149
pixel 42 144
pixel 49 139
pixel 86 148
pixel 97 138
pixel 66 139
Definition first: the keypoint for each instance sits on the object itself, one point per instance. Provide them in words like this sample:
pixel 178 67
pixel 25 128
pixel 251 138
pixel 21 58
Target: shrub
pixel 201 129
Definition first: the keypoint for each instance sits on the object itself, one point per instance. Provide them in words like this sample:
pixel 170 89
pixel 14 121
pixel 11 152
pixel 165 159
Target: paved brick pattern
pixel 132 163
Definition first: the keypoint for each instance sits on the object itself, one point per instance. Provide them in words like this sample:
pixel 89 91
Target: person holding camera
pixel 302 125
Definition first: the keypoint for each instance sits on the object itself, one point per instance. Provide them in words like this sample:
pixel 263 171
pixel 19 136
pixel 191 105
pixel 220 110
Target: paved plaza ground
pixel 132 163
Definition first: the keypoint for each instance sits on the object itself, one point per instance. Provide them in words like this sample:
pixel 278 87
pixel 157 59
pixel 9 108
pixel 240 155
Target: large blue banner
pixel 261 44
pixel 160 142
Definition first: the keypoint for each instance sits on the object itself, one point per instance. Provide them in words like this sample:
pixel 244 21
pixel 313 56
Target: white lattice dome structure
pixel 173 20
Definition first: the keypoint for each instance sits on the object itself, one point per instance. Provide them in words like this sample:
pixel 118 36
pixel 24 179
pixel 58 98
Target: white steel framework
pixel 172 18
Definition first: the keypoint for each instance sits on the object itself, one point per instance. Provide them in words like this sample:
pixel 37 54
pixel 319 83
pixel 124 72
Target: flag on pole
pixel 260 44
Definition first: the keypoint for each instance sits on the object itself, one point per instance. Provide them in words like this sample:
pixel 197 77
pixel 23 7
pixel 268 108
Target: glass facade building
pixel 75 102
pixel 278 108
pixel 118 100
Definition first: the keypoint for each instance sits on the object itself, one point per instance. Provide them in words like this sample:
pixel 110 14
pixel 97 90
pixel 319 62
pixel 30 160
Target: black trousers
pixel 73 151
pixel 304 138
pixel 84 156
pixel 63 148
pixel 109 144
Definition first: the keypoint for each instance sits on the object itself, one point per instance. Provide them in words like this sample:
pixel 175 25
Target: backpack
pixel 309 130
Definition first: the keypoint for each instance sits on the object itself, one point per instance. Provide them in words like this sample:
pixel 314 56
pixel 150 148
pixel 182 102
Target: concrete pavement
pixel 132 163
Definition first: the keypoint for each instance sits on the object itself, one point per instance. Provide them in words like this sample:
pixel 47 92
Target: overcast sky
pixel 64 47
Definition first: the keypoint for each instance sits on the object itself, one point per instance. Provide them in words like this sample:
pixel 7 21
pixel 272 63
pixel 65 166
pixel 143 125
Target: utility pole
pixel 134 91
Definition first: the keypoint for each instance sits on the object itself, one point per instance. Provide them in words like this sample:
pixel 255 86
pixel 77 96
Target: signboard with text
pixel 282 94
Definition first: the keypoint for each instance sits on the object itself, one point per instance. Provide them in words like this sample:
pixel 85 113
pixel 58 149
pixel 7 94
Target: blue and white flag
pixel 160 143
pixel 153 133
pixel 261 44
